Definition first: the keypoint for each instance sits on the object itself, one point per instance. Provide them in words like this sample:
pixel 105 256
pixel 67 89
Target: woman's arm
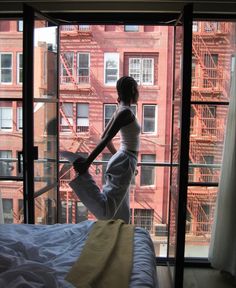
pixel 123 118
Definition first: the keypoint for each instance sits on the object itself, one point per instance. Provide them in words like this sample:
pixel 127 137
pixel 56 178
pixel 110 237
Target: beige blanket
pixel 106 259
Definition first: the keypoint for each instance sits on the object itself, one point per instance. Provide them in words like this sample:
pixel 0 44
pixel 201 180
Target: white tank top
pixel 130 139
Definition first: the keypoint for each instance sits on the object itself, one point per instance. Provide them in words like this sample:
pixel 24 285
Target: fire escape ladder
pixel 212 72
pixel 66 66
pixel 194 204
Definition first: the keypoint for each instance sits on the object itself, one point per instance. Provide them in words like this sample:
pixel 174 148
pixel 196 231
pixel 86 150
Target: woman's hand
pixel 81 165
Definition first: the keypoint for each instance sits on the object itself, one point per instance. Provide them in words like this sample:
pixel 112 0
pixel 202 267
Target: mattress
pixel 42 255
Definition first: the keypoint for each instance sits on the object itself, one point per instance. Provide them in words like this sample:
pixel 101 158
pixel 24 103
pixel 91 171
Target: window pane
pixel 135 69
pixel 131 28
pixel 109 111
pixel 7 210
pixel 5 118
pixel 148 172
pixel 149 118
pixel 111 67
pixel 6 68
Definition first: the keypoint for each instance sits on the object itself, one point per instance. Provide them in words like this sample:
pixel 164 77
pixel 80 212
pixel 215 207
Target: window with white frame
pixel 19 118
pixel 6 120
pixel 19 68
pixel 67 71
pixel 82 118
pixel 131 28
pixel 109 110
pixel 6 68
pixel 147 172
pixel 66 119
pixel 83 63
pixel 142 70
pixel 20 25
pixel 149 119
pixel 111 67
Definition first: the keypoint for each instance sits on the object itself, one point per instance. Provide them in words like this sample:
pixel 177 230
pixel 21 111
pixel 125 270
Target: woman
pixel 113 201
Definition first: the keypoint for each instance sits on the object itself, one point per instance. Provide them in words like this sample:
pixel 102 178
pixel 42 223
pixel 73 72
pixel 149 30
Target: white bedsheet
pixel 42 255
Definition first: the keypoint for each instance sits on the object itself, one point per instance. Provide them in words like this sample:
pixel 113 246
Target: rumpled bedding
pixel 40 256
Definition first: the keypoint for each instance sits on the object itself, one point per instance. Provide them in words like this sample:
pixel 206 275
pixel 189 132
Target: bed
pixel 42 255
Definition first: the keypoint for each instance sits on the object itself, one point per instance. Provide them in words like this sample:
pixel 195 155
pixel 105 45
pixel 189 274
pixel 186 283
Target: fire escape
pixel 210 82
pixel 70 79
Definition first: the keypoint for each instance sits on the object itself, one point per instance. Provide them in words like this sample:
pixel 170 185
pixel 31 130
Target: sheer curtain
pixel 222 253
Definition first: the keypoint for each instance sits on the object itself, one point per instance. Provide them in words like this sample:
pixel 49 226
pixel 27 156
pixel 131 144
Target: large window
pixel 149 119
pixel 148 172
pixel 66 119
pixel 82 117
pixel 111 68
pixel 109 110
pixel 67 68
pixel 142 70
pixel 6 68
pixel 83 68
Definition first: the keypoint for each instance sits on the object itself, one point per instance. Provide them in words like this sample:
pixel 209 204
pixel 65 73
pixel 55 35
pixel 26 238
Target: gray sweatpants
pixel 113 201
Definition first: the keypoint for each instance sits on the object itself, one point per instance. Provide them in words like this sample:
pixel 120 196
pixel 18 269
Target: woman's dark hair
pixel 127 89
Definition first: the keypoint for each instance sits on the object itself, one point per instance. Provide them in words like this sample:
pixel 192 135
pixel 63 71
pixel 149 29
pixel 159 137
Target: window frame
pixel 11 68
pixel 155 120
pixel 117 60
pixel 84 68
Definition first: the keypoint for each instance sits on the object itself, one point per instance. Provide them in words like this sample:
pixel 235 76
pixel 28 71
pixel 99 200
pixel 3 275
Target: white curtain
pixel 222 253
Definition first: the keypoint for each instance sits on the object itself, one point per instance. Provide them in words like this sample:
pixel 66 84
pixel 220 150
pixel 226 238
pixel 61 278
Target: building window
pixel 83 63
pixel 82 118
pixel 111 66
pixel 66 119
pixel 142 70
pixel 131 28
pixel 67 68
pixel 109 110
pixel 195 26
pixel 6 114
pixel 144 218
pixel 148 172
pixel 7 205
pixel 211 26
pixel 211 71
pixel 20 26
pixel 208 116
pixel 19 118
pixel 207 173
pixel 6 68
pixel 149 118
pixel 81 212
pixel 6 164
pixel 19 68
pixel 84 28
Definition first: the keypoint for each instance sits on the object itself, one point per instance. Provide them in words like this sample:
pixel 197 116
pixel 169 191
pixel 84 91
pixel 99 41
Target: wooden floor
pixel 197 278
